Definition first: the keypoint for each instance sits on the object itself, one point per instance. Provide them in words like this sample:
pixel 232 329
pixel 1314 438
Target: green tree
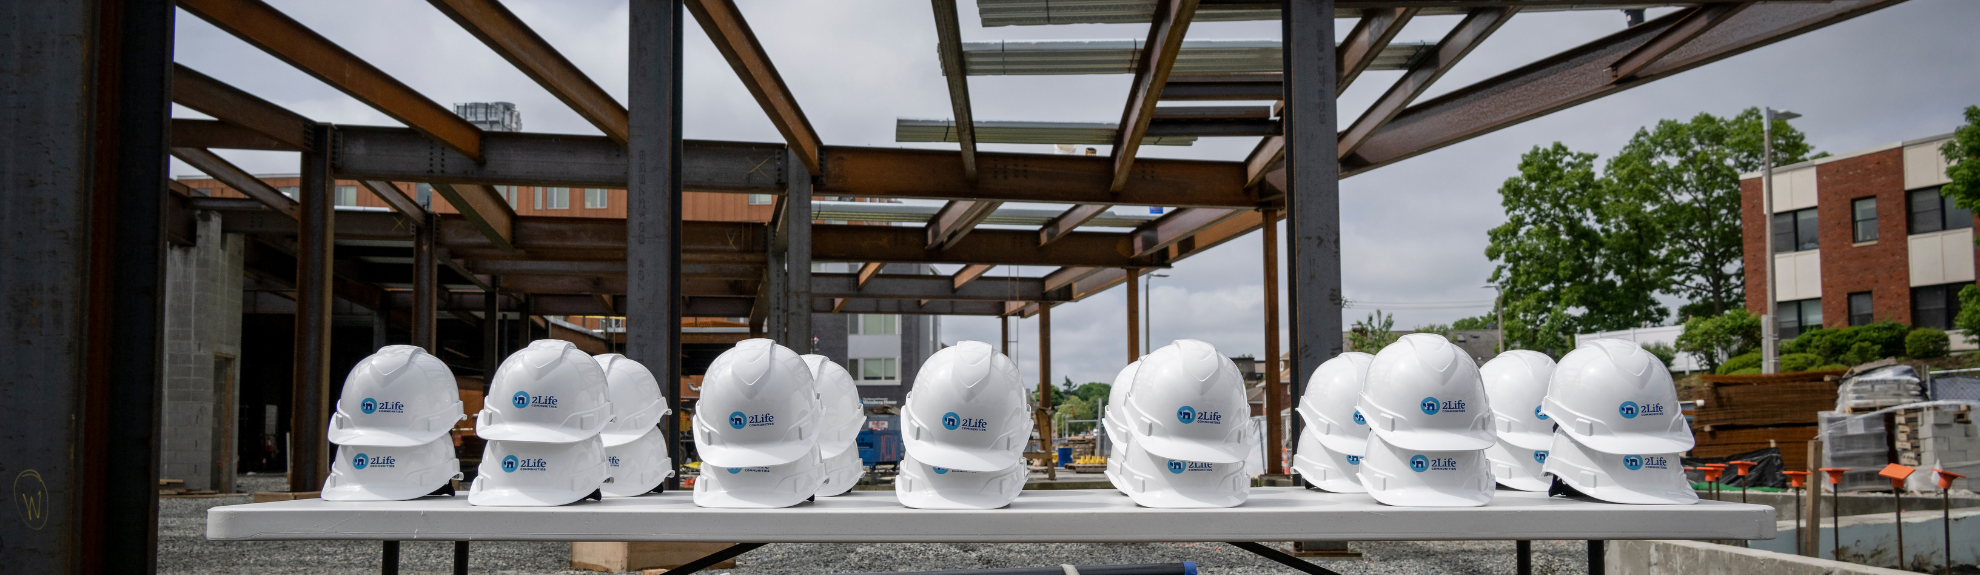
pixel 1963 158
pixel 1434 329
pixel 1372 334
pixel 1968 319
pixel 1715 340
pixel 1481 322
pixel 1548 248
pixel 1679 181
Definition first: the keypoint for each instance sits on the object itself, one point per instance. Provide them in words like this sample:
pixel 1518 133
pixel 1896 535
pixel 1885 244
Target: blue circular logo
pixel 1536 413
pixel 1186 414
pixel 1633 462
pixel 1628 410
pixel 737 420
pixel 1540 456
pixel 521 399
pixel 1354 460
pixel 950 421
pixel 509 464
pixel 369 406
pixel 1431 406
pixel 360 461
pixel 1358 419
pixel 1177 466
pixel 941 471
pixel 734 470
pixel 1419 464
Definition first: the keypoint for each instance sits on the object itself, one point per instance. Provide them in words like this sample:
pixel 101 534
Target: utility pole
pixel 1770 329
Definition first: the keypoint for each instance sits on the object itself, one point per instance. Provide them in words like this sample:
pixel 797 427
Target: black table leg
pixel 460 557
pixel 391 563
pixel 712 558
pixel 1281 557
pixel 1525 551
pixel 1598 560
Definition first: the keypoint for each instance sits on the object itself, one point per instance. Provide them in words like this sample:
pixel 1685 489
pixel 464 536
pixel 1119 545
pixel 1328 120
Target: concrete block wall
pixel 1699 558
pixel 202 331
pixel 1872 539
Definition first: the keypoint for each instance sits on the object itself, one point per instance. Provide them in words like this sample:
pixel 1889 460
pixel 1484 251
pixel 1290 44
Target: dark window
pixel 1935 306
pixel 1795 231
pixel 1859 309
pixel 1795 317
pixel 1932 212
pixel 1864 213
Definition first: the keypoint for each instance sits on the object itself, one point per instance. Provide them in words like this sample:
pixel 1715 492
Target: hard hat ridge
pixel 758 407
pixel 1421 395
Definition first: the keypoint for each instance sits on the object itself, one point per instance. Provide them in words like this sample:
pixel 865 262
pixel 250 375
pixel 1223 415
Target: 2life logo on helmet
pixel 1178 466
pixel 1638 462
pixel 953 422
pixel 361 461
pixel 370 406
pixel 1354 460
pixel 1188 415
pixel 612 459
pixel 1420 463
pixel 1540 457
pixel 512 464
pixel 1431 406
pixel 739 420
pixel 1629 409
pixel 1358 419
pixel 523 399
pixel 1537 414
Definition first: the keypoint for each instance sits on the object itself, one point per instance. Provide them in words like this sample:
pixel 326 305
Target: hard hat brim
pixel 937 500
pixel 1317 466
pixel 1637 496
pixel 531 433
pixel 1172 448
pixel 361 492
pixel 381 438
pixel 628 487
pixel 841 473
pixel 1534 440
pixel 618 438
pixel 750 455
pixel 1419 497
pixel 953 457
pixel 481 496
pixel 1516 470
pixel 1436 440
pixel 705 497
pixel 1624 444
pixel 1356 446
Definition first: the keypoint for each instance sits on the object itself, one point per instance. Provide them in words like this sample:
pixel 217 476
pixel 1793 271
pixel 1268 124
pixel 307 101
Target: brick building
pixel 1860 237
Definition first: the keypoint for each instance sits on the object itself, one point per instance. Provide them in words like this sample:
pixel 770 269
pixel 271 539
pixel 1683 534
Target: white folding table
pixel 1271 514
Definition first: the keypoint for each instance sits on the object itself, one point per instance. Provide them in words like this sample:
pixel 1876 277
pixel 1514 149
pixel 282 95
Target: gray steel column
pixel 1313 234
pixel 797 260
pixel 309 462
pixel 653 201
pixel 491 331
pixel 426 288
pixel 776 287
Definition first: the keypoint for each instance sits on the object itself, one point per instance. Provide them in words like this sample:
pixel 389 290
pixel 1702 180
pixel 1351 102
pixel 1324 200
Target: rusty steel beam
pixel 968 273
pixel 238 179
pixel 948 47
pixel 725 26
pixel 930 288
pixel 1371 35
pixel 1469 33
pixel 1223 87
pixel 866 273
pixel 222 135
pixel 956 219
pixel 1151 73
pixel 231 105
pixel 484 208
pixel 283 37
pixel 508 36
pixel 1171 228
pixel 1068 221
pixel 1695 22
pixel 1582 74
pixel 937 174
pixel 906 306
pixel 396 198
pixel 1001 247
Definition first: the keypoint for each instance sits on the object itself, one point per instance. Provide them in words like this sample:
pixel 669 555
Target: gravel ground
pixel 183 548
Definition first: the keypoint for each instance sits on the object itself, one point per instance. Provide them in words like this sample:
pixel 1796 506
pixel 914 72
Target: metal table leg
pixel 1524 550
pixel 1598 561
pixel 712 558
pixel 460 557
pixel 391 563
pixel 1281 557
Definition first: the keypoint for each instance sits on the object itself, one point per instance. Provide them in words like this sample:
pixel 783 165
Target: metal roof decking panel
pixel 1198 57
pixel 1049 12
pixel 1066 516
pixel 1084 133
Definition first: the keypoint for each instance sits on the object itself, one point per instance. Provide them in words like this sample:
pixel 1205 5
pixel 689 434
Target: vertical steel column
pixel 491 331
pixel 308 451
pixel 1274 389
pixel 1313 198
pixel 426 287
pixel 653 202
pixel 1004 335
pixel 1045 391
pixel 379 327
pixel 776 286
pixel 1134 314
pixel 523 336
pixel 797 258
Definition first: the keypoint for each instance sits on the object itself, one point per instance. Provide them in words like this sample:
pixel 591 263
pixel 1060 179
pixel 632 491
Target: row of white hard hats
pixel 964 427
pixel 390 427
pixel 1180 424
pixel 775 428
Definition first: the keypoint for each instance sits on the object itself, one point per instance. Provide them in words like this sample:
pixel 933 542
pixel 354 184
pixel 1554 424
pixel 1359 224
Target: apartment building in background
pixel 1860 237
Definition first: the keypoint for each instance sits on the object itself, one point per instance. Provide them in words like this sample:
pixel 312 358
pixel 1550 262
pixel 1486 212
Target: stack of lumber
pixel 1742 413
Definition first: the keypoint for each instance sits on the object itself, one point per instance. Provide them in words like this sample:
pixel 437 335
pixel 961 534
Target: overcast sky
pixel 1412 232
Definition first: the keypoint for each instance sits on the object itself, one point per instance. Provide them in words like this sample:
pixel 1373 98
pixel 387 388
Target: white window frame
pixel 858 324
pixel 890 370
pixel 344 196
pixel 596 198
pixel 762 199
pixel 557 199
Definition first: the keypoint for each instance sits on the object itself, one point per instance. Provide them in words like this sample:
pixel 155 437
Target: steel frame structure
pixel 92 130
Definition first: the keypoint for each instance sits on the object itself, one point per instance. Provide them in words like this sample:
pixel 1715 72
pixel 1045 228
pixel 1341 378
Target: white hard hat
pixel 1188 403
pixel 760 486
pixel 1152 480
pixel 844 416
pixel 1115 420
pixel 842 472
pixel 1325 468
pixel 389 473
pixel 1616 398
pixel 924 486
pixel 1328 404
pixel 398 397
pixel 1643 479
pixel 536 474
pixel 1254 434
pixel 1424 393
pixel 967 410
pixel 1515 382
pixel 1415 478
pixel 547 392
pixel 638 404
pixel 638 466
pixel 1518 467
pixel 757 407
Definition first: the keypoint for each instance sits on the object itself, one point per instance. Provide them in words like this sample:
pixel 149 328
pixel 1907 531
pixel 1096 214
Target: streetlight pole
pixel 1770 328
pixel 1499 305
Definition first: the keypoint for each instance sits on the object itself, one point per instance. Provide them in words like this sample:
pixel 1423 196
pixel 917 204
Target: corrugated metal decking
pixel 1198 57
pixel 1048 12
pixel 1083 133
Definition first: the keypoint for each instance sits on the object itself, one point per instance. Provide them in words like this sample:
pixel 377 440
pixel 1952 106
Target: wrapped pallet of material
pixel 1857 442
pixel 1879 388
